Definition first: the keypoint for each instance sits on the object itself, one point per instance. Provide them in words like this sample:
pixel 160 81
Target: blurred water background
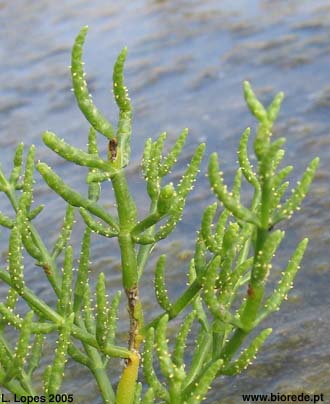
pixel 186 64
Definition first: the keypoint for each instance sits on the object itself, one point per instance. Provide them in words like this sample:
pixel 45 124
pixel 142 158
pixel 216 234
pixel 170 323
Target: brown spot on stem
pixel 135 338
pixel 250 291
pixel 113 143
pixel 47 269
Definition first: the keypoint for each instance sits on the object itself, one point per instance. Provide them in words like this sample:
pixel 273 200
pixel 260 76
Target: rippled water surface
pixel 186 64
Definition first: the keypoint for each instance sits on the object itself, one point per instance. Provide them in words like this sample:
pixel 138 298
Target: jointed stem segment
pixel 234 252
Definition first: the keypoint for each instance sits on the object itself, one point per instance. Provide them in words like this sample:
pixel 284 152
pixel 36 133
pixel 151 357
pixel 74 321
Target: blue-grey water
pixel 186 64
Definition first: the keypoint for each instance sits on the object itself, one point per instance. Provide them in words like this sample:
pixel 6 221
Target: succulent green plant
pixel 234 251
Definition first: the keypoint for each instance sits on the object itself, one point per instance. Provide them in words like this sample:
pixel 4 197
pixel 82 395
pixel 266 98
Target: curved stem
pixel 53 272
pixel 178 306
pixel 98 368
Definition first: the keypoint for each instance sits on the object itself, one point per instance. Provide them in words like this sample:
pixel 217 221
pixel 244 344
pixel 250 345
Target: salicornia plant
pixel 226 296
